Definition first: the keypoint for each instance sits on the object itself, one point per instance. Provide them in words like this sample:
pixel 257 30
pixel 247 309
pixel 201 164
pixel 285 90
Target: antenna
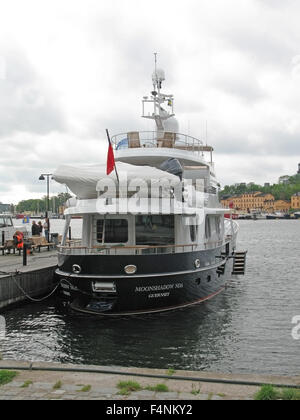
pixel 155 71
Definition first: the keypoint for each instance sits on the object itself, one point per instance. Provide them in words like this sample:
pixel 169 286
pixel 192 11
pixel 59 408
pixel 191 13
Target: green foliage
pixel 266 393
pixel 279 191
pixel 6 376
pixel 57 385
pixel 85 388
pixel 128 386
pixel 39 206
pixel 290 394
pixel 158 388
pixel 269 392
pixel 26 384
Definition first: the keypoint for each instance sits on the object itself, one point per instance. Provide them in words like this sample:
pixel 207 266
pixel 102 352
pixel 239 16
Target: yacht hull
pixel 162 282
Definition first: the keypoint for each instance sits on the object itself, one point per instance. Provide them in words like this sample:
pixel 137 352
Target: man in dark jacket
pixel 35 230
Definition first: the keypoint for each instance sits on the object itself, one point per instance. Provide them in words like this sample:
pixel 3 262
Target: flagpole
pixel 107 133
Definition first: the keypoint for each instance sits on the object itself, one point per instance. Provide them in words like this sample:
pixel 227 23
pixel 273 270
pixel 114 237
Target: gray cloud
pixel 233 70
pixel 26 105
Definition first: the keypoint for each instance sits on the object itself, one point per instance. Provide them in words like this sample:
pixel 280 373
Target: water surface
pixel 247 328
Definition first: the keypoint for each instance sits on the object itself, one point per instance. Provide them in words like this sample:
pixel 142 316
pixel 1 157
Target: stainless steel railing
pixel 151 139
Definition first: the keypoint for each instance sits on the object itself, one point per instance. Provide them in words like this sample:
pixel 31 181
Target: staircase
pixel 239 263
pixel 221 268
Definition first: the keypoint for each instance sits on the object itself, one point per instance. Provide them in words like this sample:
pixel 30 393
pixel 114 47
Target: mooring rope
pixel 14 275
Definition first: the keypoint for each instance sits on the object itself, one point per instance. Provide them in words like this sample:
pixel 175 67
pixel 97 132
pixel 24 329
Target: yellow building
pixel 282 205
pixel 295 201
pixel 251 201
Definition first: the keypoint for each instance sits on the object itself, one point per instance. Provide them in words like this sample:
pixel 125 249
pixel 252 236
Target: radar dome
pixel 171 125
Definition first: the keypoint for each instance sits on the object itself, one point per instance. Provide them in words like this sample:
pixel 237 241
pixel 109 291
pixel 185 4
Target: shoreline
pixel 101 383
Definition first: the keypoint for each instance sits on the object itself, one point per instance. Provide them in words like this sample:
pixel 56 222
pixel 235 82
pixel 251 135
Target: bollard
pixel 3 238
pixel 24 253
pixel 70 233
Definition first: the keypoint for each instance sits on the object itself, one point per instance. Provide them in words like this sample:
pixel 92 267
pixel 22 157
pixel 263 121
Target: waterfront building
pixel 282 205
pixel 251 201
pixel 295 201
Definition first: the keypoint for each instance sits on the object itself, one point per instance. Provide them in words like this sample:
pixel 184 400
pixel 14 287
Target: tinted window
pixel 2 222
pixel 154 230
pixel 114 230
pixel 193 232
pixel 207 227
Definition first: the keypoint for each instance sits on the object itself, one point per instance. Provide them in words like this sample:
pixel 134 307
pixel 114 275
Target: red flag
pixel 110 166
pixel 231 205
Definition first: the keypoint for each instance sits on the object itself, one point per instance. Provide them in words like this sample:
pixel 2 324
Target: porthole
pixel 130 269
pixel 76 269
pixel 197 263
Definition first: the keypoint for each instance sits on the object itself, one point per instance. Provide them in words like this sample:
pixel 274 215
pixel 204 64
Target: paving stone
pixel 105 391
pixel 202 397
pixel 38 395
pixel 187 396
pixel 42 385
pixel 71 388
pixel 216 397
pixel 144 393
pixel 13 384
pixel 70 397
pixel 12 392
pixel 166 395
pixel 58 392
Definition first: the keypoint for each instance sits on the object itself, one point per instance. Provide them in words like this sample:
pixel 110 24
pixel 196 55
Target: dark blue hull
pixel 162 282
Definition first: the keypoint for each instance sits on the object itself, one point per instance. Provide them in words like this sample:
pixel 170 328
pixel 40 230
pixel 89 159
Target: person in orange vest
pixel 18 239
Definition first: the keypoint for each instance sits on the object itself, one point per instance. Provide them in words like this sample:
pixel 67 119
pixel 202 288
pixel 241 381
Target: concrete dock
pixel 17 282
pixel 54 381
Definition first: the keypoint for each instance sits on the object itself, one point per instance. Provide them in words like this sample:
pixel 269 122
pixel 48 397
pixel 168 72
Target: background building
pixel 295 201
pixel 256 201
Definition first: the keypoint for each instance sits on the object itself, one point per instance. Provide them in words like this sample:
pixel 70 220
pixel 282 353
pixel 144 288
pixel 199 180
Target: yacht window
pixel 193 232
pixel 155 230
pixel 207 227
pixel 114 230
pixel 8 221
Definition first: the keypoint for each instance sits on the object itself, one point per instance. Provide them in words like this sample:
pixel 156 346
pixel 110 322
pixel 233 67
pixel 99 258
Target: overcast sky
pixel 71 69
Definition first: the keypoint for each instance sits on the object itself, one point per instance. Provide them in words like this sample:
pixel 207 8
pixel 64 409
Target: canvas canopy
pixel 86 182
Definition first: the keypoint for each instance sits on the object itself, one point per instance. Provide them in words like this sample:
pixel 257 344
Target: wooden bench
pixel 38 242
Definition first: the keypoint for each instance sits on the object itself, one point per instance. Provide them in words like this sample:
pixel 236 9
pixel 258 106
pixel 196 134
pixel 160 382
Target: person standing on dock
pixel 40 228
pixel 35 230
pixel 46 227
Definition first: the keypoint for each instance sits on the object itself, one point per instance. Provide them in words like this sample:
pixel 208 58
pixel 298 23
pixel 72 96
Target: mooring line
pixel 13 276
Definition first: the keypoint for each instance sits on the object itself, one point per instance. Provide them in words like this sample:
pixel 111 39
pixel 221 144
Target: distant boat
pixel 19 216
pixel 234 216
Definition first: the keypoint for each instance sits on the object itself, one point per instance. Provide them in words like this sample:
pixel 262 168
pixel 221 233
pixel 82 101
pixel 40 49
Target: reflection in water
pixel 247 328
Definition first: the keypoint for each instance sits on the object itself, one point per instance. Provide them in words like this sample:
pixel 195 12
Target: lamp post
pixel 42 178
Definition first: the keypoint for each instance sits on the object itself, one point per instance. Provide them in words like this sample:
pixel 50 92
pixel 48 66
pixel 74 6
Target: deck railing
pixel 75 248
pixel 152 139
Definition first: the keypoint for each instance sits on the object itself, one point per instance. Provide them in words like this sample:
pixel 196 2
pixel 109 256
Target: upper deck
pixel 135 145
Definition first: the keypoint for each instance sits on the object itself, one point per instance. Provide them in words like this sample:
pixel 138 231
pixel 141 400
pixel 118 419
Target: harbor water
pixel 245 329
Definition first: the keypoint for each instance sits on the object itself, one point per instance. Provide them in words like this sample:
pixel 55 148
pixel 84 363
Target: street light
pixel 42 178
